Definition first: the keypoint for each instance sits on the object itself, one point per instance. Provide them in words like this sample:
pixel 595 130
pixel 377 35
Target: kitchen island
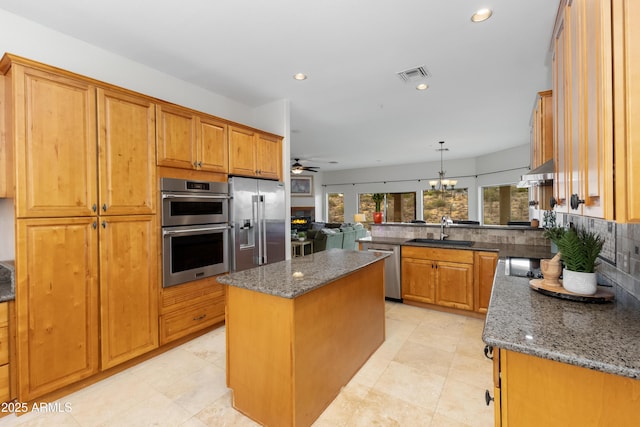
pixel 559 362
pixel 297 331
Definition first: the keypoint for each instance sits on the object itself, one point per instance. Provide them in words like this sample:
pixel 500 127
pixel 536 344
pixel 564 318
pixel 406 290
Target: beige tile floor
pixel 430 372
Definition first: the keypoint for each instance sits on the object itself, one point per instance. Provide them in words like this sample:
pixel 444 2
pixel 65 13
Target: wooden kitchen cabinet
pixel 440 276
pixel 532 391
pixel 5 389
pixel 52 133
pixel 626 82
pixel 190 307
pixel 418 280
pixel 127 153
pixel 484 267
pixel 189 140
pixel 582 67
pixel 542 129
pixel 57 308
pixel 128 287
pixel 255 154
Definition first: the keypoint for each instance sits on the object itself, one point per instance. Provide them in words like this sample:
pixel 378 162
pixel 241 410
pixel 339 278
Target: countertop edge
pixel 283 285
pixel 502 322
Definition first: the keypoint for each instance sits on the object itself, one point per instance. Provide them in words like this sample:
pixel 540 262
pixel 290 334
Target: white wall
pixel 34 41
pixel 7 251
pixel 503 167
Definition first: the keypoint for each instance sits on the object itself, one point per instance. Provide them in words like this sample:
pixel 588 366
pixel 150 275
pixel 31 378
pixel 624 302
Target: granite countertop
pixel 604 337
pixel 318 270
pixel 504 250
pixel 7 281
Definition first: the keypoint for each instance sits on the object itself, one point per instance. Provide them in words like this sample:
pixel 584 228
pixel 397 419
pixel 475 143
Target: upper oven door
pixel 193 209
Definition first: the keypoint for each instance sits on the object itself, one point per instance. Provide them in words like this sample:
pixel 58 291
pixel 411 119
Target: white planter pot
pixel 579 283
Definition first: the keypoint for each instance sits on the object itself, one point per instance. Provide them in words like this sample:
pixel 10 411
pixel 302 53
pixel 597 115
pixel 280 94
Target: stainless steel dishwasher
pixel 392 279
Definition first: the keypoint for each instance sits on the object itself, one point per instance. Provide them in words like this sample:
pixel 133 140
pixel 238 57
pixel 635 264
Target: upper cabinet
pixel 596 74
pixel 256 154
pixel 542 129
pixel 626 83
pixel 127 155
pixel 188 140
pixel 53 130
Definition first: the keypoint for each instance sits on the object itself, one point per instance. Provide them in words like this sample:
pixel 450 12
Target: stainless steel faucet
pixel 444 222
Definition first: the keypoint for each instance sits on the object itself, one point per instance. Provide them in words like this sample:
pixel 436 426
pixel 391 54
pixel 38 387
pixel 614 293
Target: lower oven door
pixel 194 252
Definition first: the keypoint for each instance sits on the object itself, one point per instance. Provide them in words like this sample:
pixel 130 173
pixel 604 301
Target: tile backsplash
pixel 620 256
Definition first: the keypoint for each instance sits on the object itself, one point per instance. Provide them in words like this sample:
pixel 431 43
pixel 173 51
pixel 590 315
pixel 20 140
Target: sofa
pixel 344 236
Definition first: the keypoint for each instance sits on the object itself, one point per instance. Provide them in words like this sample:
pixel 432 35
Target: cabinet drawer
pixel 4 314
pixel 186 295
pixel 437 254
pixel 183 322
pixel 4 345
pixel 4 383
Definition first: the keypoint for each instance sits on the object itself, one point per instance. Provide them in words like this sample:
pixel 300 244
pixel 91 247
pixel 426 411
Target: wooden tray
pixel 558 291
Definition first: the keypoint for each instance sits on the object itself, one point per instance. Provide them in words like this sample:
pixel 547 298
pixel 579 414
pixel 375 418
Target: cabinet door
pixel 56 304
pixel 418 276
pixel 126 142
pixel 560 122
pixel 484 272
pixel 591 398
pixel 597 163
pixel 627 108
pixel 128 287
pixel 269 156
pixel 55 140
pixel 242 152
pixel 454 285
pixel 212 146
pixel 176 137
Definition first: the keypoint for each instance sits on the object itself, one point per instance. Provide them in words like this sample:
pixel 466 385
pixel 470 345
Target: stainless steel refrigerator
pixel 257 218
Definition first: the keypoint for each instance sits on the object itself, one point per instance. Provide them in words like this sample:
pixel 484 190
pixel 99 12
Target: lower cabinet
pixel 5 389
pixel 484 271
pixel 460 279
pixel 438 276
pixel 86 298
pixel 128 288
pixel 532 391
pixel 190 307
pixel 57 309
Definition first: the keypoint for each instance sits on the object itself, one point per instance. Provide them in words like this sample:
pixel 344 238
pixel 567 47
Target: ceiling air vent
pixel 414 74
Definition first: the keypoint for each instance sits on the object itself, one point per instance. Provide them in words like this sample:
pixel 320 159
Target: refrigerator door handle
pixel 263 231
pixel 257 203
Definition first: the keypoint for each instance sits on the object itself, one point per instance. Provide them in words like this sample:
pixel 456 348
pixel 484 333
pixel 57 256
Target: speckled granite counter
pixel 604 337
pixel 7 281
pixel 318 269
pixel 504 250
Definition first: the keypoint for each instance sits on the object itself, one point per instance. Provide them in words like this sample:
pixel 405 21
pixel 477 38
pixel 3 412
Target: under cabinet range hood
pixel 543 174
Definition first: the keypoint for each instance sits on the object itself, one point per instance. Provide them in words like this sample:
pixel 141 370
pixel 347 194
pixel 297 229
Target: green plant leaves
pixel 580 249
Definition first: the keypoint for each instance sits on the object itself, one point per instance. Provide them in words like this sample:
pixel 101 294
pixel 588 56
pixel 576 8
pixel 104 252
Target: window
pixel 398 207
pixel 452 203
pixel 336 207
pixel 505 203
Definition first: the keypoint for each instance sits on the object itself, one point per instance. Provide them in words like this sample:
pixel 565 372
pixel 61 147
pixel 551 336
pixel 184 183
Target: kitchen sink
pixel 443 242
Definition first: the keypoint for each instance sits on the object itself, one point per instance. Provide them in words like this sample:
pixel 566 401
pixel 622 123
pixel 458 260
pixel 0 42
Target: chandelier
pixel 442 184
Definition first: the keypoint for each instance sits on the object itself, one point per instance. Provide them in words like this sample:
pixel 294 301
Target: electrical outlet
pixel 625 261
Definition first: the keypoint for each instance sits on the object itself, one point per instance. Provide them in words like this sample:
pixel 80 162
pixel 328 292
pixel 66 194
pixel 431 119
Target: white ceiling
pixel 353 108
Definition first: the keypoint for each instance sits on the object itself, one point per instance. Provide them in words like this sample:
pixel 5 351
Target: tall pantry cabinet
pixel 86 232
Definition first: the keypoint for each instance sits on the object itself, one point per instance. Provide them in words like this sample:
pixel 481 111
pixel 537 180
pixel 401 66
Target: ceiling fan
pixel 298 168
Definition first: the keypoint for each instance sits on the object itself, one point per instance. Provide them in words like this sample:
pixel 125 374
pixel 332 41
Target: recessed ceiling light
pixel 300 76
pixel 422 86
pixel 481 15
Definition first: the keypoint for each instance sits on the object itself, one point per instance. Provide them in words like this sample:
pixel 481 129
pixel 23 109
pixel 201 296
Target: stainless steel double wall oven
pixel 195 230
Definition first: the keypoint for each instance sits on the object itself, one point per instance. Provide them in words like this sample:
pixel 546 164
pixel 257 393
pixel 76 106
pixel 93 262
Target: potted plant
pixel 377 215
pixel 579 250
pixel 551 230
